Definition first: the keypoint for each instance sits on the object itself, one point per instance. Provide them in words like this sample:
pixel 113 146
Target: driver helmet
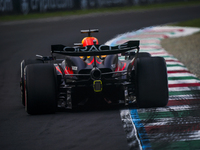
pixel 89 41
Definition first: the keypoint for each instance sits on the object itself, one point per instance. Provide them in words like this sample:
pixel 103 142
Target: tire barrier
pixel 8 7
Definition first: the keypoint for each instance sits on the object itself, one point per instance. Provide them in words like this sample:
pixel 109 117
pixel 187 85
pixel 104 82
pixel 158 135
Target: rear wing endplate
pixel 94 50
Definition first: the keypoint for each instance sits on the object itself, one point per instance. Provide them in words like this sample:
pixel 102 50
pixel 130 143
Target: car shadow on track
pixel 95 108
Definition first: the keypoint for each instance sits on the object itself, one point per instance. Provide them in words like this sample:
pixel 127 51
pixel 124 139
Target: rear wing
pixel 94 50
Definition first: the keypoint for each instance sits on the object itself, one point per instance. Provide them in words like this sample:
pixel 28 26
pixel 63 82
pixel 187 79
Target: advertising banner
pixel 30 6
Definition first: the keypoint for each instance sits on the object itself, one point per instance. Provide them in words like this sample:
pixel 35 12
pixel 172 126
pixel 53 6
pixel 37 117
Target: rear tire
pixel 151 82
pixel 24 63
pixel 143 54
pixel 40 83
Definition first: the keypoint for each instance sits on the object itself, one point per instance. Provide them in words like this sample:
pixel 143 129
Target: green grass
pixel 190 23
pixel 99 10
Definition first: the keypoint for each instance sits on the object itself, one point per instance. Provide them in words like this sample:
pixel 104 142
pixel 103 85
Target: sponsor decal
pixel 95 48
pixel 6 5
pixel 74 68
pixel 44 5
pixel 24 6
pixel 27 6
pixel 84 4
pixel 113 66
pixel 102 3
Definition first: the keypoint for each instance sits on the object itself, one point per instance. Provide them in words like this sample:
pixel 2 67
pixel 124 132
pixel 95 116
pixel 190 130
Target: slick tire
pixel 40 89
pixel 24 63
pixel 151 82
pixel 140 55
pixel 143 54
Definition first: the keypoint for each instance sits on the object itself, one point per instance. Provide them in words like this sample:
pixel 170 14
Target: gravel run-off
pixel 186 50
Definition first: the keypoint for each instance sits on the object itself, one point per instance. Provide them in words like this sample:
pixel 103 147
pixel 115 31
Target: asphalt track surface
pixel 84 129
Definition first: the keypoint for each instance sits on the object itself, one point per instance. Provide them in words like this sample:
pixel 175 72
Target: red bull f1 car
pixel 91 73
